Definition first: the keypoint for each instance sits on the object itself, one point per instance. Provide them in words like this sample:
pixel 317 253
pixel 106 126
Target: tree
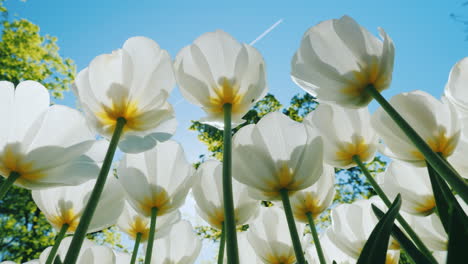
pixel 25 54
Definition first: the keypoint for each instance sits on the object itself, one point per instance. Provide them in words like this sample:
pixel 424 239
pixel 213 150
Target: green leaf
pixel 458 237
pixel 375 249
pixel 411 250
pixel 444 200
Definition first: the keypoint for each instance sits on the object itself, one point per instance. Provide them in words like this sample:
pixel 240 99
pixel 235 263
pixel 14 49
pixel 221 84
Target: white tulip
pixel 131 222
pixel 338 59
pixel 412 183
pixel 44 144
pixel 352 225
pixel 269 237
pixel 208 194
pixel 330 251
pixel 216 70
pixel 158 178
pixel 131 83
pixel 345 133
pixel 181 246
pixel 435 121
pixel 316 198
pixel 456 89
pixel 65 205
pixel 276 154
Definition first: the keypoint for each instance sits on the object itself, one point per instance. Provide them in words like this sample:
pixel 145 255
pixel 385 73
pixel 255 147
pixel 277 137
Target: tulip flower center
pixel 159 199
pixel 439 143
pixel 357 147
pixel 273 259
pixel 427 206
pixel 308 204
pixel 67 216
pixel 121 108
pixel 217 217
pixel 369 74
pixel 12 160
pixel 139 225
pixel 227 92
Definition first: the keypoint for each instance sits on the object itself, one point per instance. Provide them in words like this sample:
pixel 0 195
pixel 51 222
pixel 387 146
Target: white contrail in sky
pixel 266 32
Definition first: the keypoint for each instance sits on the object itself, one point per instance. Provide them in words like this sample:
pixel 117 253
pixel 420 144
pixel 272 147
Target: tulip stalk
pixel 317 244
pixel 135 248
pixel 149 245
pixel 292 227
pixel 222 243
pixel 388 203
pixel 446 171
pixel 8 183
pixel 81 230
pixel 58 240
pixel 229 218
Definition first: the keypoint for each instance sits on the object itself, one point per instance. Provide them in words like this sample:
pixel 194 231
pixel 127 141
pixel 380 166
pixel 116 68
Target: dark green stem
pixel 388 203
pixel 135 248
pixel 8 183
pixel 58 240
pixel 229 218
pixel 149 245
pixel 221 245
pixel 82 229
pixel 292 227
pixel 440 165
pixel 310 218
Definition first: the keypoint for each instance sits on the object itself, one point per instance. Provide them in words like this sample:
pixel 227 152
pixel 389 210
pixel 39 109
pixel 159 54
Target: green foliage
pixel 25 232
pixel 25 54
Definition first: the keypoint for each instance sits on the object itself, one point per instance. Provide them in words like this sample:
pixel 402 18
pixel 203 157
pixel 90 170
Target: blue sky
pixel 428 42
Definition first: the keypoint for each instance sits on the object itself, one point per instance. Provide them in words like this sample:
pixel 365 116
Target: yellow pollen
pixel 123 108
pixel 440 143
pixel 308 205
pixel 272 259
pixel 67 217
pixel 427 207
pixel 367 75
pixel 139 225
pixel 160 199
pixel 227 92
pixel 11 160
pixel 358 147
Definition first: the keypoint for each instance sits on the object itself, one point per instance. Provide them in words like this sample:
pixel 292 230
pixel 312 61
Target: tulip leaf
pixel 57 260
pixel 375 249
pixel 458 237
pixel 411 250
pixel 445 200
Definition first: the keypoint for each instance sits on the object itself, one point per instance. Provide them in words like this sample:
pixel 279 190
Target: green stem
pixel 316 238
pixel 8 183
pixel 292 227
pixel 440 165
pixel 229 218
pixel 221 245
pixel 149 245
pixel 135 248
pixel 388 203
pixel 58 240
pixel 81 230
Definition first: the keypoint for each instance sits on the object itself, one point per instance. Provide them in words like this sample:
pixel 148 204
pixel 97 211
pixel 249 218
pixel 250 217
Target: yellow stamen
pixel 439 143
pixel 357 147
pixel 273 259
pixel 123 108
pixel 227 92
pixel 426 207
pixel 139 225
pixel 11 160
pixel 159 199
pixel 309 204
pixel 67 217
pixel 368 74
